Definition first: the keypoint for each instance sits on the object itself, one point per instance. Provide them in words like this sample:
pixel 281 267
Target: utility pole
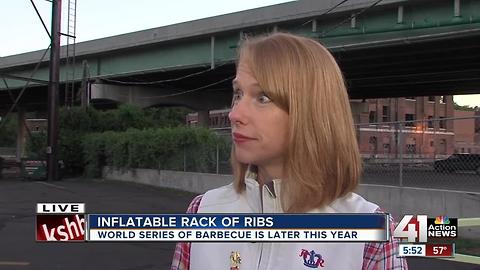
pixel 84 85
pixel 53 85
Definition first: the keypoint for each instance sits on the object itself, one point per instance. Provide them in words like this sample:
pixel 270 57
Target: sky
pixel 22 31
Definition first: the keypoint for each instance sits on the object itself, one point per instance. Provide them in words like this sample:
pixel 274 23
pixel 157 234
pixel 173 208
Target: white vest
pixel 273 256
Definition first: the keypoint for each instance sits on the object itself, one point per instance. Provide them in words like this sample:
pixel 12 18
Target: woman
pixel 294 151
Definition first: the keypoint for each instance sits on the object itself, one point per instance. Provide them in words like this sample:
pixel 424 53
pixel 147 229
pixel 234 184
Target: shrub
pixel 8 131
pixel 129 146
pixel 167 148
pixel 36 145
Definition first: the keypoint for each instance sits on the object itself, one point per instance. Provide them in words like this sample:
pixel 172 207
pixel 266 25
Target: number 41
pixel 411 232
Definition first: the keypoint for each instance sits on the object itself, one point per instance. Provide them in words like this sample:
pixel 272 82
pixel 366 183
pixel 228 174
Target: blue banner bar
pixel 238 221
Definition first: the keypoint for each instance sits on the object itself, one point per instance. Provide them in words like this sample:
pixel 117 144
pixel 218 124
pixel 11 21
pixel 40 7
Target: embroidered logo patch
pixel 311 259
pixel 235 260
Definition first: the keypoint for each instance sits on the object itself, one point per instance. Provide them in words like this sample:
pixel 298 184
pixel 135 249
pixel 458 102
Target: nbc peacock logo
pixel 442 220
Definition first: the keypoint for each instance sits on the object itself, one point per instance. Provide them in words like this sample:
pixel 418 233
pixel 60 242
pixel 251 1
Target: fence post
pixel 184 159
pixel 400 154
pixel 218 157
pixel 435 125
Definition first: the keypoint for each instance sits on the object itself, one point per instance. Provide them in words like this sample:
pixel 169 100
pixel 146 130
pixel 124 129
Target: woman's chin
pixel 245 159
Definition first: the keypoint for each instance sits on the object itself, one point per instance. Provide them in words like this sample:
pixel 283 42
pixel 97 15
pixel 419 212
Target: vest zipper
pixel 260 257
pixel 261 211
pixel 265 248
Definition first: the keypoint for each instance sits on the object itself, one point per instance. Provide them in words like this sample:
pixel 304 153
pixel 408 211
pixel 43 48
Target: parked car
pixel 459 162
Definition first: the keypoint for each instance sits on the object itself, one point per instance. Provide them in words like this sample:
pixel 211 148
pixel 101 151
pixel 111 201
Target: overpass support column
pixel 203 118
pixel 212 52
pixel 400 15
pixel 20 134
pixel 456 8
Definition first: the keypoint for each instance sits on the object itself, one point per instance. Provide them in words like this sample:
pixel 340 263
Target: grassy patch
pixel 467 246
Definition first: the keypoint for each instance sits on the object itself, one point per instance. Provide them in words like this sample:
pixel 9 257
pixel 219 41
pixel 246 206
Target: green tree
pixel 36 145
pixel 168 116
pixel 8 131
pixel 465 107
pixel 124 140
pixel 193 149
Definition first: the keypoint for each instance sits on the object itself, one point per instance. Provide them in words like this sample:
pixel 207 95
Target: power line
pixel 12 98
pixel 192 90
pixel 26 85
pixel 351 17
pixel 334 7
pixel 40 17
pixel 325 13
pixel 163 81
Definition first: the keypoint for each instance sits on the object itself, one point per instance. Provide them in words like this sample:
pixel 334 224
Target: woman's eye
pixel 264 99
pixel 237 95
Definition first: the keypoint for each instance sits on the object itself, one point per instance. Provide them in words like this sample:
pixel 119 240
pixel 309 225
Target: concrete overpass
pixel 385 48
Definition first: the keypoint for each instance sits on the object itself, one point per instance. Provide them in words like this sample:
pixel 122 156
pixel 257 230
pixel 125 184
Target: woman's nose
pixel 238 113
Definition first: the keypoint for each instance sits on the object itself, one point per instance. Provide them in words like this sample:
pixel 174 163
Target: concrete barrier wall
pixel 395 200
pixel 187 181
pixel 406 200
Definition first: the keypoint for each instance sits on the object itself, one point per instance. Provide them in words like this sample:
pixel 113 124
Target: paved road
pixel 19 251
pixel 17 206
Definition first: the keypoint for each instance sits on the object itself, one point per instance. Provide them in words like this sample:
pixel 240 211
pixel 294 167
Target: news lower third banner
pixel 239 227
pixel 70 222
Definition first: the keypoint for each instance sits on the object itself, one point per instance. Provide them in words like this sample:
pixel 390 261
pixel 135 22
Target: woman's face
pixel 259 127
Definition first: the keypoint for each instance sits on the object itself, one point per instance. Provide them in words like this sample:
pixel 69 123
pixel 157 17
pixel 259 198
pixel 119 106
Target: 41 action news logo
pixel 419 228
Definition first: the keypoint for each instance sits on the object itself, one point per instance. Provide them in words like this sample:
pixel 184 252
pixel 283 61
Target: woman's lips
pixel 240 138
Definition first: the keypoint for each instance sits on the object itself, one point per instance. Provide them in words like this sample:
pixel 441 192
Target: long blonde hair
pixel 323 161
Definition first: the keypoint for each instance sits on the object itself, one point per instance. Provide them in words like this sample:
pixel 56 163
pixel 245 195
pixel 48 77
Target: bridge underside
pixel 428 68
pixel 438 67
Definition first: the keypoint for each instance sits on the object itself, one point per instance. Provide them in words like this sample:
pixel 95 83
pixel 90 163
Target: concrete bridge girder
pixel 144 96
pixel 395 48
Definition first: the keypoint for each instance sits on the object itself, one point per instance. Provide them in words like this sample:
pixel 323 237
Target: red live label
pixel 439 250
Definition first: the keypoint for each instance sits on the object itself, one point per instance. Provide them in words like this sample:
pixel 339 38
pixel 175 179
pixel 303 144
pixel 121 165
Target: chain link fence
pixel 207 158
pixel 8 151
pixel 441 153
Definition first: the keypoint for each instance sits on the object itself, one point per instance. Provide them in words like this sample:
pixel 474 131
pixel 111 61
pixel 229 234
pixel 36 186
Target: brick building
pixel 416 122
pixel 217 120
pixel 477 128
pixel 36 125
pixel 467 132
pixel 422 131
